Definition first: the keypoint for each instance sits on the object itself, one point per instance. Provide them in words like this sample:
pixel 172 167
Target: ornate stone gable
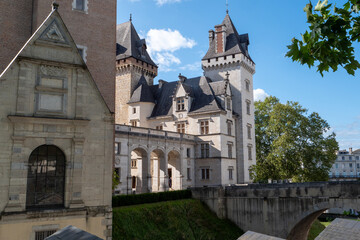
pixel 54 33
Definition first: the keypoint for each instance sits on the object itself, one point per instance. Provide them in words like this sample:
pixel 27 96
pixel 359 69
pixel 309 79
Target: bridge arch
pixel 304 221
pixel 280 210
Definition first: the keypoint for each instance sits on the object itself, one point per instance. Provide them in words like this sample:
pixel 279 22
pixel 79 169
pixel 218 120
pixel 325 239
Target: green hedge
pixel 126 200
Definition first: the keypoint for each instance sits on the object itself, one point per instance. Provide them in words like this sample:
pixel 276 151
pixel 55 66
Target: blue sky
pixel 176 32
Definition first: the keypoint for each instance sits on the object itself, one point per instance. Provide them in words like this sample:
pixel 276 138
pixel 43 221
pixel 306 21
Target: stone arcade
pixel 191 132
pixel 56 140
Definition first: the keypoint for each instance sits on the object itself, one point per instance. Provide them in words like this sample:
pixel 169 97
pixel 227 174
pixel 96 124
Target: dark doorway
pixel 170 177
pixel 46 178
pixel 133 182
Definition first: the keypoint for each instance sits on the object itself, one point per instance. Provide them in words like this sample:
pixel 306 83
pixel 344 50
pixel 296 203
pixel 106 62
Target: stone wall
pixel 281 210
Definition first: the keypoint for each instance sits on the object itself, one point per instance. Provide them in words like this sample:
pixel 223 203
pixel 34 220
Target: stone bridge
pixel 280 210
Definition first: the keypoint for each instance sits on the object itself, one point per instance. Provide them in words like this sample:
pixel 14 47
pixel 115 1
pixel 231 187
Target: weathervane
pixel 227 6
pixel 130 17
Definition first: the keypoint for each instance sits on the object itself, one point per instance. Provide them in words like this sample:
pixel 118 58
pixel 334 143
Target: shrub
pixel 126 200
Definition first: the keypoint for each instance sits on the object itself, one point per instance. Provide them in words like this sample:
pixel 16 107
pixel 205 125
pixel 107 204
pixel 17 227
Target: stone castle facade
pixel 56 129
pixel 190 132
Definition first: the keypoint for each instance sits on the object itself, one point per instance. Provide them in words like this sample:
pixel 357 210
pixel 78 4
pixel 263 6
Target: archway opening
pixel 301 230
pixel 139 171
pixel 46 178
pixel 158 170
pixel 173 171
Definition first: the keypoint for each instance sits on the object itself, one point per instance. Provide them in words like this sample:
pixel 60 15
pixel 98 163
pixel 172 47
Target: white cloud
pixel 260 94
pixel 167 40
pixel 166 60
pixel 196 66
pixel 348 135
pixel 162 2
pixel 162 43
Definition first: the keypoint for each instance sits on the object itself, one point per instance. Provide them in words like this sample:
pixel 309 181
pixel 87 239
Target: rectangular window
pixel 250 152
pixel 181 127
pixel 248 107
pixel 247 85
pixel 229 126
pixel 350 165
pixel 205 173
pixel 160 127
pixel 350 158
pixel 358 165
pixel 343 158
pixel 228 103
pixel 80 5
pixel 336 165
pixel 231 172
pixel 117 148
pixel 357 158
pixel 205 147
pixel 41 235
pixel 249 131
pixel 180 104
pixel 82 51
pixel 133 123
pixel 230 147
pixel 204 127
pixel 133 163
pixel 134 110
pixel 188 176
pixel 188 152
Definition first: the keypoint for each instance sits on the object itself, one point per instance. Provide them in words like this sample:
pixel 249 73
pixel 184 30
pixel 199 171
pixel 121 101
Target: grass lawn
pixel 181 219
pixel 317 228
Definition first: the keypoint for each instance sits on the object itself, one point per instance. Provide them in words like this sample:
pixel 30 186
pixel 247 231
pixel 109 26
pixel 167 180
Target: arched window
pixel 46 178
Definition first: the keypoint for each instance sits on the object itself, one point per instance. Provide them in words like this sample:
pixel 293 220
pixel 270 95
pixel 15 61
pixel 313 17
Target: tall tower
pixel 228 53
pixel 132 62
pixel 91 23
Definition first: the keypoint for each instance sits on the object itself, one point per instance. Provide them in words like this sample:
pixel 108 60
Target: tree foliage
pixel 291 144
pixel 332 33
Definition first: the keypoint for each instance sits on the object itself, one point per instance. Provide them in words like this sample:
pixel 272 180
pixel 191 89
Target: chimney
pixel 220 38
pixel 350 150
pixel 182 78
pixel 211 36
pixel 161 83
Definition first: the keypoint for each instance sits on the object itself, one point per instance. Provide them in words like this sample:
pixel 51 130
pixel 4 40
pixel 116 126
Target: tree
pixel 329 41
pixel 291 144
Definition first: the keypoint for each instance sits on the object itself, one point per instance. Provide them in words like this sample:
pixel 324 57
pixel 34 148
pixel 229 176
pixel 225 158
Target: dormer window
pixel 180 104
pixel 180 127
pixel 204 127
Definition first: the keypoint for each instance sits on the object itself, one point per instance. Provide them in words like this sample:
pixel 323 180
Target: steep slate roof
pixel 199 89
pixel 129 44
pixel 142 92
pixel 235 43
pixel 72 233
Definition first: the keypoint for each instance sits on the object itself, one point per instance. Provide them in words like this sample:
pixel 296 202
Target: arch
pixel 174 170
pixel 158 170
pixel 46 178
pixel 139 165
pixel 301 228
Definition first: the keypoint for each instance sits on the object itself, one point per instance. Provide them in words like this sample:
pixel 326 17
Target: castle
pixel 62 88
pixel 56 125
pixel 212 116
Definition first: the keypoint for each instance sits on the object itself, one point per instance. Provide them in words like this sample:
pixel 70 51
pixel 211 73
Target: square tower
pixel 228 54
